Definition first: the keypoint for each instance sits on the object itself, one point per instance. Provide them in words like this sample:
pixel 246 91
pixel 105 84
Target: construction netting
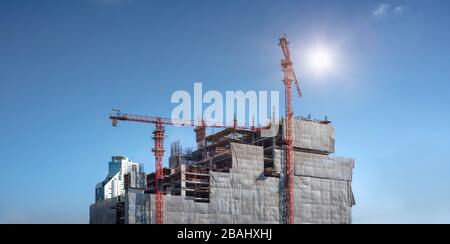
pixel 313 136
pixel 137 207
pixel 103 212
pixel 245 195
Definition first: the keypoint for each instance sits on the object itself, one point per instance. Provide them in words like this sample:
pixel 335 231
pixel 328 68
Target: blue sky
pixel 65 64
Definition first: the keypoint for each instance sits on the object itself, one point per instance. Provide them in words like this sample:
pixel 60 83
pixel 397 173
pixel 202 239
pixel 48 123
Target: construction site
pixel 283 173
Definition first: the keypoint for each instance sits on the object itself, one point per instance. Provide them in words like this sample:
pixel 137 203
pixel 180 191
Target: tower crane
pixel 158 149
pixel 289 77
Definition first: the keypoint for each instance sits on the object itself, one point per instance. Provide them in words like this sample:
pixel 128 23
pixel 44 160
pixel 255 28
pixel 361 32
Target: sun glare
pixel 321 60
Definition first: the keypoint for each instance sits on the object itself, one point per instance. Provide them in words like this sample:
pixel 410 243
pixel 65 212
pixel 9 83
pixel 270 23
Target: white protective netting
pixel 313 136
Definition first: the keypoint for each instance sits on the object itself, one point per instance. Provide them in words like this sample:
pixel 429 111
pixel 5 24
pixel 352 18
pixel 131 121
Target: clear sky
pixel 65 64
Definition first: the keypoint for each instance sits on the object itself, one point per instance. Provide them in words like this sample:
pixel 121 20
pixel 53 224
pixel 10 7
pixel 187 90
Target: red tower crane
pixel 158 150
pixel 289 77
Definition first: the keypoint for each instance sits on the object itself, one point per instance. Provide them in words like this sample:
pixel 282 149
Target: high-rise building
pixel 120 170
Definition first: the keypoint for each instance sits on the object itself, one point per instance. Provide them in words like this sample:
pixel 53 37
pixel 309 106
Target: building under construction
pixel 284 174
pixel 238 176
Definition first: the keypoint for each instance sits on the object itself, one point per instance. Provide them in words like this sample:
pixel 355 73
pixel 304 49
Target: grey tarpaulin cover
pixel 322 192
pixel 103 212
pixel 137 207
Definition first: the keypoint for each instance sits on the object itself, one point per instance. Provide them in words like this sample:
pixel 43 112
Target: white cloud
pixel 385 10
pixel 399 10
pixel 382 11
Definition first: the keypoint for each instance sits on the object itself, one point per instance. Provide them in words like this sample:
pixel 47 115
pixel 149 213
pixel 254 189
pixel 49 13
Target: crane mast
pixel 289 77
pixel 158 150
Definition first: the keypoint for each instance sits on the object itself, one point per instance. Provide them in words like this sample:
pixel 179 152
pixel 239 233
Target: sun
pixel 320 60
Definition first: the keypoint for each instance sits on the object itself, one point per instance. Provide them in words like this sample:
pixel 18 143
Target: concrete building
pixel 237 176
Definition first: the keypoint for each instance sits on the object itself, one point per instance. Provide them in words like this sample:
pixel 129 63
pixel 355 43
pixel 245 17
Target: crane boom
pixel 286 64
pixel 119 116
